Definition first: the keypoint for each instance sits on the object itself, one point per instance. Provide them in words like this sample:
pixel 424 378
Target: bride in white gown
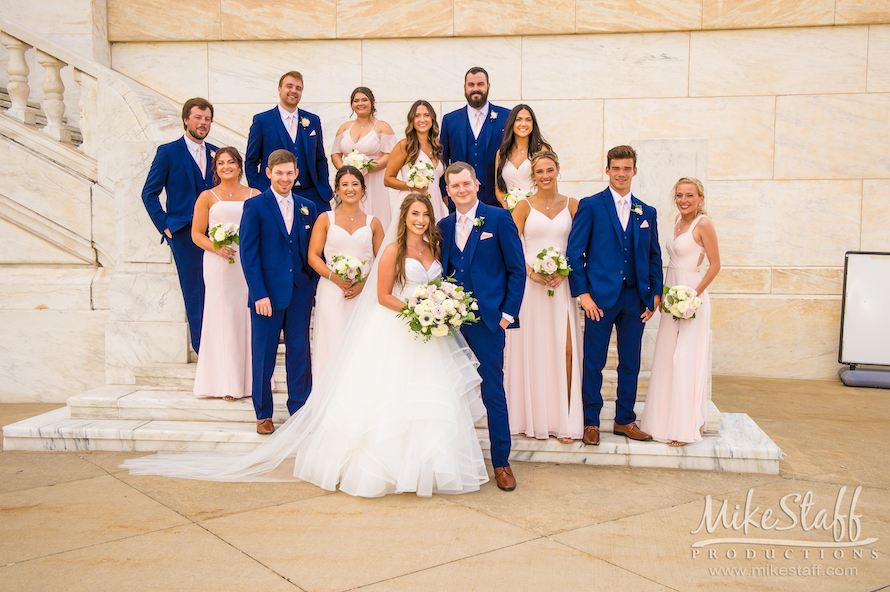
pixel 390 413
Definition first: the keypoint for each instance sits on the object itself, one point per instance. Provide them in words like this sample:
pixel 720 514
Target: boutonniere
pixel 637 209
pixel 478 222
pixel 493 115
pixel 212 154
pixel 304 210
pixel 304 122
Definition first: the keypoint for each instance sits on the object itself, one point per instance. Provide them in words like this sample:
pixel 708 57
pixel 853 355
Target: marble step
pixel 181 377
pixel 740 446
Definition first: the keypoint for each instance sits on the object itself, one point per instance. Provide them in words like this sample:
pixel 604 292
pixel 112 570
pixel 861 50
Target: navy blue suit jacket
pixel 497 263
pixel 174 169
pixel 269 255
pixel 267 134
pixel 455 136
pixel 594 251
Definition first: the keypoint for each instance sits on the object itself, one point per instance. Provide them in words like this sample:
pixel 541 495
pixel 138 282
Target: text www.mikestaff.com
pixel 787 570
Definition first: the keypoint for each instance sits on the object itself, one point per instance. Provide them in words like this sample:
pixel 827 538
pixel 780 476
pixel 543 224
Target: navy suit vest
pixel 627 249
pixel 459 267
pixel 476 156
pixel 301 278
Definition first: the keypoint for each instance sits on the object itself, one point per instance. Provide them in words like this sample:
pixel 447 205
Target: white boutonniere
pixel 478 222
pixel 637 209
pixel 304 122
pixel 304 210
pixel 212 154
pixel 493 115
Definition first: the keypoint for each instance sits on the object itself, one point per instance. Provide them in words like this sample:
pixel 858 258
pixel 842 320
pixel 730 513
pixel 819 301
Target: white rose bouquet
pixel 347 267
pixel 514 196
pixel 551 262
pixel 223 235
pixel 680 302
pixel 360 161
pixel 437 308
pixel 420 175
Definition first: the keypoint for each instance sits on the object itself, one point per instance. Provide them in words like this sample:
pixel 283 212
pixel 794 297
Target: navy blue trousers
pixel 189 259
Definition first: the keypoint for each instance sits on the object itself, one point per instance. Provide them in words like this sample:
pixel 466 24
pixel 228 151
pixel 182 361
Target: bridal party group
pixel 599 252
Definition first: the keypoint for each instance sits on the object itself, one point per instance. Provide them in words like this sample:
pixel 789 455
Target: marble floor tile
pixel 338 542
pixel 519 568
pixel 184 558
pixel 74 515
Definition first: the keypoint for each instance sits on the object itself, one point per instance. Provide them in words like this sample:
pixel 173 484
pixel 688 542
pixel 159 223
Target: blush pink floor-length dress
pixel 373 145
pixel 676 404
pixel 440 209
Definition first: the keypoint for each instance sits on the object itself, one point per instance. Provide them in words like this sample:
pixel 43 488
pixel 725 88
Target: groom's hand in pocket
pixel 264 307
pixel 590 308
pixel 648 314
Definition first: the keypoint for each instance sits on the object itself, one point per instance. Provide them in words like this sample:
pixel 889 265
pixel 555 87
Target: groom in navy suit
pixel 183 168
pixel 473 134
pixel 274 241
pixel 481 250
pixel 285 127
pixel 616 272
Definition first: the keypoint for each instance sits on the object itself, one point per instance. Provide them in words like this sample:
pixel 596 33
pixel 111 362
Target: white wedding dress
pixel 390 414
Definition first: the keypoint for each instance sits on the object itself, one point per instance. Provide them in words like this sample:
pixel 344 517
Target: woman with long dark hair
pixel 522 139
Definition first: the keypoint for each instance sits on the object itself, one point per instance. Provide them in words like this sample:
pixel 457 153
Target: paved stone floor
pixel 75 521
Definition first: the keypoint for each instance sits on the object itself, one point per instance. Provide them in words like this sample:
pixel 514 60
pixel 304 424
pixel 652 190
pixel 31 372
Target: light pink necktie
pixel 477 126
pixel 464 232
pixel 202 161
pixel 288 216
pixel 292 128
pixel 624 214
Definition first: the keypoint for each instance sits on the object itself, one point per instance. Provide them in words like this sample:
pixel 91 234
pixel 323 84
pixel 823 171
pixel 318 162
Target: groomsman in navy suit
pixel 481 250
pixel 473 134
pixel 285 127
pixel 184 169
pixel 616 272
pixel 274 242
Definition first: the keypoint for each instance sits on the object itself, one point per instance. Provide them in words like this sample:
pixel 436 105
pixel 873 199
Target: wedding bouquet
pixel 420 175
pixel 360 161
pixel 440 306
pixel 680 301
pixel 347 267
pixel 223 235
pixel 514 196
pixel 551 262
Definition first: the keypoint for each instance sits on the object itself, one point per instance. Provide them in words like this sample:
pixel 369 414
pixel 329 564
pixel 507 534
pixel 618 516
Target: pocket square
pixel 645 224
pixel 486 235
pixel 312 134
pixel 307 227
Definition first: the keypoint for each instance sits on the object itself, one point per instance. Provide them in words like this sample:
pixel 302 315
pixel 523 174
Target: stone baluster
pixel 53 97
pixel 17 71
pixel 89 112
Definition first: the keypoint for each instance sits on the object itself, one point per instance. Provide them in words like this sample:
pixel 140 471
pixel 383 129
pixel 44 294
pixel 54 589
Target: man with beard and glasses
pixel 183 168
pixel 473 135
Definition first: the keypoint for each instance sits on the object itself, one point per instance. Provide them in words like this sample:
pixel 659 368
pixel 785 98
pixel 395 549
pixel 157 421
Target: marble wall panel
pixel 575 130
pixel 176 70
pixel 138 240
pixel 786 223
pixel 146 297
pixel 581 189
pixel 840 136
pixel 103 226
pixel 876 215
pixel 434 69
pixel 808 280
pixel 878 62
pixel 134 20
pixel 743 14
pixel 49 355
pixel 364 19
pixel 45 188
pixel 776 336
pixel 136 344
pixel 275 19
pixel 21 247
pixel 731 125
pixel 778 61
pixel 861 11
pixel 605 16
pixel 25 288
pixel 741 280
pixel 248 72
pixel 513 17
pixel 588 66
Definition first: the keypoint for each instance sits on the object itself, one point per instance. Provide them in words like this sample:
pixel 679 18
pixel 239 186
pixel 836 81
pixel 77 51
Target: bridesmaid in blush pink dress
pixel 346 230
pixel 421 144
pixel 543 377
pixel 224 362
pixel 373 138
pixel 676 404
pixel 522 139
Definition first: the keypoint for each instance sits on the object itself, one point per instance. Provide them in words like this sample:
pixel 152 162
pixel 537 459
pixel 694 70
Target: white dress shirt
pixel 285 117
pixel 285 199
pixel 196 149
pixel 471 116
pixel 618 199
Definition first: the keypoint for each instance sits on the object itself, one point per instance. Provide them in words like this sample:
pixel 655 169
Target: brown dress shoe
pixel 503 476
pixel 264 427
pixel 591 435
pixel 631 431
